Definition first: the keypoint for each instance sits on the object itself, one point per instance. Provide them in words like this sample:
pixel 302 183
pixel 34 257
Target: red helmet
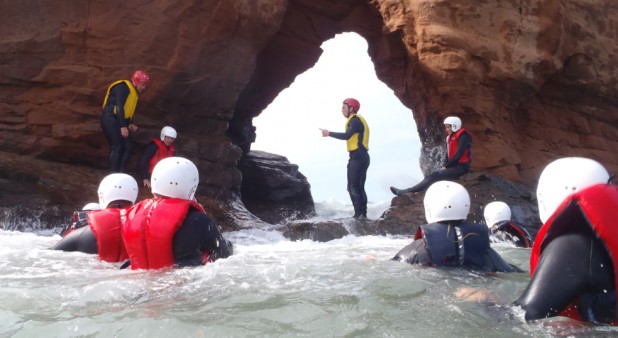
pixel 353 103
pixel 140 77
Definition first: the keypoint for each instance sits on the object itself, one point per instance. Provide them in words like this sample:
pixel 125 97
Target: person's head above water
pixel 117 190
pixel 91 206
pixel 446 201
pixel 175 177
pixel 564 177
pixel 496 212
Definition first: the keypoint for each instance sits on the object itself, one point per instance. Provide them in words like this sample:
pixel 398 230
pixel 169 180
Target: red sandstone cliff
pixel 533 80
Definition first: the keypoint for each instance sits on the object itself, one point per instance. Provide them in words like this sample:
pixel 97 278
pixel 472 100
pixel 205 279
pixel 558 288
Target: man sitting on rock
pixel 458 160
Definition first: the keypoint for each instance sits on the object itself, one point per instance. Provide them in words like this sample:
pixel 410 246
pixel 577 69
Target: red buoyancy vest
pixel 148 229
pixel 598 203
pixel 105 224
pixel 452 142
pixel 162 152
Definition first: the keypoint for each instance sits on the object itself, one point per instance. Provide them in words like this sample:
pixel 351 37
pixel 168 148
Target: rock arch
pixel 531 80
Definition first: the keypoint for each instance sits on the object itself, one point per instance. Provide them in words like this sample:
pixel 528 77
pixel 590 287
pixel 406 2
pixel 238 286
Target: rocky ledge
pixel 406 212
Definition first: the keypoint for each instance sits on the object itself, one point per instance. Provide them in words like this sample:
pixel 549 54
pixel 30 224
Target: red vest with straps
pixel 598 204
pixel 452 142
pixel 105 224
pixel 148 229
pixel 163 151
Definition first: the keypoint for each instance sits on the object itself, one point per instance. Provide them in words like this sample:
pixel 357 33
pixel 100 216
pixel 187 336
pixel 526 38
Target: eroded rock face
pixel 532 80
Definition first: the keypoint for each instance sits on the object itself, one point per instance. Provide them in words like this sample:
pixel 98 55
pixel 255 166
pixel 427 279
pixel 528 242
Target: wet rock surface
pixel 407 212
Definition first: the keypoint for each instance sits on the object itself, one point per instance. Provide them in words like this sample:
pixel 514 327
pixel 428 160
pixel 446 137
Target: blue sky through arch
pixel 289 126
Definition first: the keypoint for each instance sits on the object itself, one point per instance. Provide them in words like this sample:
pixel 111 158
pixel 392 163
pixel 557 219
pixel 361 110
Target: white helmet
pixel 168 131
pixel 91 206
pixel 564 177
pixel 175 177
pixel 117 187
pixel 497 212
pixel 454 121
pixel 446 201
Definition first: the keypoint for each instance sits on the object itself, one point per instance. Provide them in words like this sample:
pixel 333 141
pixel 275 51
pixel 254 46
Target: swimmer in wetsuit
pixel 574 254
pixel 98 231
pixel 172 229
pixel 498 219
pixel 448 240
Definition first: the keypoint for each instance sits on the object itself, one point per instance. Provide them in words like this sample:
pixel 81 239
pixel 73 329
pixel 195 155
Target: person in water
pixel 574 254
pixel 156 150
pixel 91 206
pixel 117 118
pixel 458 158
pixel 172 228
pixel 357 139
pixel 98 231
pixel 498 219
pixel 448 239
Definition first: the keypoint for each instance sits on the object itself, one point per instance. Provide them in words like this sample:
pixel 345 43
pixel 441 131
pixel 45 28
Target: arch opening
pixel 289 125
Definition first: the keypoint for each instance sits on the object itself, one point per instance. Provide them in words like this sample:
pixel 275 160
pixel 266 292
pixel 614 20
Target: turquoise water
pixel 271 287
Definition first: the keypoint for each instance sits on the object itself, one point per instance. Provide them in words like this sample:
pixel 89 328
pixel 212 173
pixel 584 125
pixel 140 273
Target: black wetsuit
pixel 144 162
pixel 453 169
pixel 81 239
pixel 197 234
pixel 357 167
pixel 454 243
pixel 572 265
pixel 120 147
pixel 512 232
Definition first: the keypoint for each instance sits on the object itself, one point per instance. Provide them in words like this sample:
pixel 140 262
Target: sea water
pixel 270 287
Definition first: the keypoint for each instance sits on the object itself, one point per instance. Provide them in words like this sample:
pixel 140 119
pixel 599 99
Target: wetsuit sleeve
pixel 82 240
pixel 465 141
pixel 355 126
pixel 571 265
pixel 120 93
pixel 144 162
pixel 199 234
pixel 414 253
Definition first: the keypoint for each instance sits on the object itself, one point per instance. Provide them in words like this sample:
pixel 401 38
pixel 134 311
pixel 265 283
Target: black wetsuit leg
pixel 357 175
pixel 571 265
pixel 111 129
pixel 127 149
pixel 81 239
pixel 199 234
pixel 439 175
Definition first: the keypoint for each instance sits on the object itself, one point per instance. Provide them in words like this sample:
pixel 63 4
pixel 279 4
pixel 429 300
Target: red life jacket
pixel 148 230
pixel 163 151
pixel 598 204
pixel 452 142
pixel 105 224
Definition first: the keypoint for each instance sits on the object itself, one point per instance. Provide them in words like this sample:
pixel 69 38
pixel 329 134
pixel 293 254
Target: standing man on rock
pixel 357 139
pixel 116 120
